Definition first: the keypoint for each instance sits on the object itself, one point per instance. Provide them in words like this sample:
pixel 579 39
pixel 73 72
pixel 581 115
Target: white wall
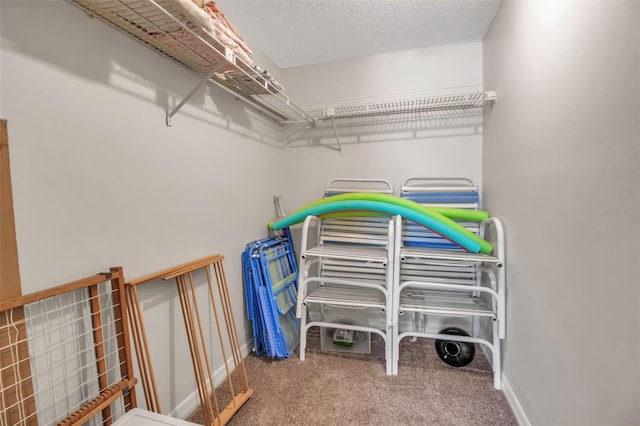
pixel 393 151
pixel 561 168
pixel 100 181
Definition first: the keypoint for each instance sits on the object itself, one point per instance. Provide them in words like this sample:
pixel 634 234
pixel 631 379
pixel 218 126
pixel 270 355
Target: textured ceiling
pixel 301 32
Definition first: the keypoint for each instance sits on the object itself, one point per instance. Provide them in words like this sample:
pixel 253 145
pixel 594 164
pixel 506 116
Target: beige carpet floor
pixel 352 389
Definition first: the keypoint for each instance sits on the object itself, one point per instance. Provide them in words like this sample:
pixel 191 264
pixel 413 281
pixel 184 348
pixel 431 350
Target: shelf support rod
pixel 297 134
pixel 202 82
pixel 335 131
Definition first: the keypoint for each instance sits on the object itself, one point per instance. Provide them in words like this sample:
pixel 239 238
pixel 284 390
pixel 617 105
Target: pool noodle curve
pixel 450 212
pixel 432 220
pixel 444 214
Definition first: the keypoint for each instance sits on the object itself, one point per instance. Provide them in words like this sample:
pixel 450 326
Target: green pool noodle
pixel 451 213
pixel 432 220
pixel 445 212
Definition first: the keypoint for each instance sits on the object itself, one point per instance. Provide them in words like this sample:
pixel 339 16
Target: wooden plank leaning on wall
pixel 17 394
pixel 9 272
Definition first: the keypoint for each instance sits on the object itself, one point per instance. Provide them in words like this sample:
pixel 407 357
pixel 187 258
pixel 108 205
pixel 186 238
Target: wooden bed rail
pixel 183 276
pixel 54 291
pixel 139 335
pixel 99 403
pixel 61 345
pixel 198 263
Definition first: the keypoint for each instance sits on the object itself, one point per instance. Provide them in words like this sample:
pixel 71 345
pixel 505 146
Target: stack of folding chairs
pixel 270 278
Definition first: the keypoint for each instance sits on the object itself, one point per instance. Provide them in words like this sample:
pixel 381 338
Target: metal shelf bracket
pixel 191 93
pixel 335 131
pixel 330 112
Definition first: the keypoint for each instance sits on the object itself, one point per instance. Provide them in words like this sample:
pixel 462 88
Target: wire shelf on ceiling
pixel 443 105
pixel 165 27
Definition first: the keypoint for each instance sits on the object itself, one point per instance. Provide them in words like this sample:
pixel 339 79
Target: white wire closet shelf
pixel 451 106
pixel 165 27
pixel 445 104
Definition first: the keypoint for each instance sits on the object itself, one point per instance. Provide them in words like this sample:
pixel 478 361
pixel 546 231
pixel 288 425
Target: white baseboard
pixel 507 390
pixel 189 405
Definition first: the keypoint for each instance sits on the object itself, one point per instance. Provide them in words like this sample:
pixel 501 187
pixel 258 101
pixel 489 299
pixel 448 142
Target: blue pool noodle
pixel 436 222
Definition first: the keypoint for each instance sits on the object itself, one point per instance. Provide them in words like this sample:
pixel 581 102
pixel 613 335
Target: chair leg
pixel 303 331
pixel 396 350
pixel 395 347
pixel 496 363
pixel 388 345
